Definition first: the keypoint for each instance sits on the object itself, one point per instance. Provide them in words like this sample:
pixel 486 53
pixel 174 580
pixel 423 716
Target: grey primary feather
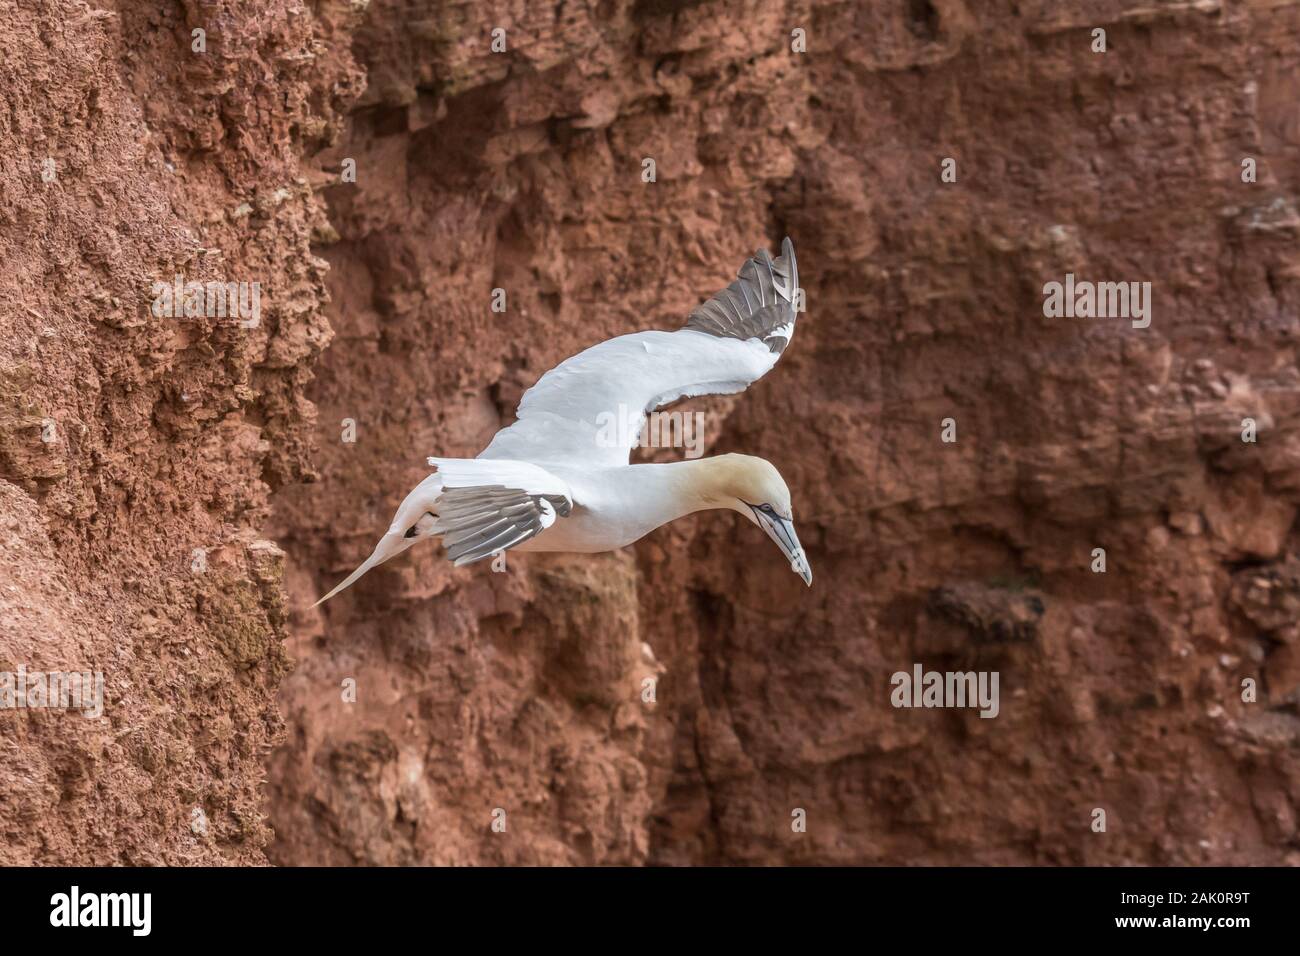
pixel 478 522
pixel 760 304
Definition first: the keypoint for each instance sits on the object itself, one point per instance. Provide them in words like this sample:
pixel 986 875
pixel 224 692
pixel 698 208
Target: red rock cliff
pixel 478 692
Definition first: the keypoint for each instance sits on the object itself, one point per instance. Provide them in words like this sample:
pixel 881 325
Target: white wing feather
pixel 590 409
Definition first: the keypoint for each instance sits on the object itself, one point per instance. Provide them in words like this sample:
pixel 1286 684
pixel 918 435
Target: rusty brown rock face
pixel 957 453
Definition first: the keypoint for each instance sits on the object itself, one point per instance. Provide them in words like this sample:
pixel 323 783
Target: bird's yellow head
pixel 753 487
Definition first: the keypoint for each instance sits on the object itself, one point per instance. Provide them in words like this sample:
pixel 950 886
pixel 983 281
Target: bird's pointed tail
pixel 423 497
pixel 389 545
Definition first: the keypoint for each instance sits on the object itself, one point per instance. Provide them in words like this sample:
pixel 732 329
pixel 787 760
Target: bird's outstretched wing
pixel 590 409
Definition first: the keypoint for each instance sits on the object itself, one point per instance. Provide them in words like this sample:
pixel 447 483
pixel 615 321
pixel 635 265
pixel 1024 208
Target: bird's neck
pixel 679 488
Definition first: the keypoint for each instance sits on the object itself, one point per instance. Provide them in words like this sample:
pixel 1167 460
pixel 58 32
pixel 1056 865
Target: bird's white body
pixel 618 506
pixel 559 477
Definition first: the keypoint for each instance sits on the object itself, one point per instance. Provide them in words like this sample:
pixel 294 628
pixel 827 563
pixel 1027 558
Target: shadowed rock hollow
pixel 521 695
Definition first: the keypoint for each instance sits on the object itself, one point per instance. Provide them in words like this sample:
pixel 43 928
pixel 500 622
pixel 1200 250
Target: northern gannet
pixel 559 479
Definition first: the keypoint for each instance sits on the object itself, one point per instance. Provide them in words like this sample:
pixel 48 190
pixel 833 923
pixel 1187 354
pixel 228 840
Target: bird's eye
pixel 766 509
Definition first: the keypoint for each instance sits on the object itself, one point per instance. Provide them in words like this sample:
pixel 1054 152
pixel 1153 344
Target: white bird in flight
pixel 560 479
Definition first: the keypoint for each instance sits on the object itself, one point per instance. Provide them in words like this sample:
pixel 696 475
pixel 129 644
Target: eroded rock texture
pixel 519 696
pixel 521 171
pixel 137 453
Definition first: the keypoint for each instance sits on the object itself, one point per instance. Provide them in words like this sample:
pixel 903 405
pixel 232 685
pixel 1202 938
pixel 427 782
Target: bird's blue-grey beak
pixel 781 530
